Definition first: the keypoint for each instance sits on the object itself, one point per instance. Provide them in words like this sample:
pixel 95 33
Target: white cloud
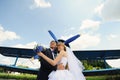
pixel 72 28
pixel 89 24
pixel 6 60
pixel 66 37
pixel 99 8
pixel 21 61
pixel 30 45
pixel 112 36
pixel 7 35
pixel 40 4
pixel 109 10
pixel 84 41
pixel 87 39
pixel 29 63
pixel 114 63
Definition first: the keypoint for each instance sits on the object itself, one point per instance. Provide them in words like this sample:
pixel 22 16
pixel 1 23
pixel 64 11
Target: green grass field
pixel 33 77
pixel 18 76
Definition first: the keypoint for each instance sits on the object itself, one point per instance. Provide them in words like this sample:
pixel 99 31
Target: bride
pixel 68 66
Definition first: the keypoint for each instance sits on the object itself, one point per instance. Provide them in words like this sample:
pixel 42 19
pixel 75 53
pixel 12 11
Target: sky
pixel 24 23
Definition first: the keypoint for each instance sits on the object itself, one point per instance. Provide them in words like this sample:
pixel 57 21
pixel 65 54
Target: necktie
pixel 53 54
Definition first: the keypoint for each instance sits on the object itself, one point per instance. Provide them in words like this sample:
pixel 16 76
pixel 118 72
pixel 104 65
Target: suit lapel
pixel 50 53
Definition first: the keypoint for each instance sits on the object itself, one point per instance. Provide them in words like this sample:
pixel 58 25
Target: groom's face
pixel 53 44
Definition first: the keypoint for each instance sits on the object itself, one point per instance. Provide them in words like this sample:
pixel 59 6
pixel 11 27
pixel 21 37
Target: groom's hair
pixel 52 41
pixel 61 40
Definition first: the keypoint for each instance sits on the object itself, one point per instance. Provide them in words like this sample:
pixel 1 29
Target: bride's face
pixel 60 47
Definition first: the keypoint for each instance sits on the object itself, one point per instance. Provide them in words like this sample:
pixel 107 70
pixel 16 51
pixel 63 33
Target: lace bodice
pixel 64 61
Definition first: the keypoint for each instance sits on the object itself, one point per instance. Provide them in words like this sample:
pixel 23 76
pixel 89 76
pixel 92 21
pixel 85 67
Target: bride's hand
pixel 62 52
pixel 40 53
pixel 60 66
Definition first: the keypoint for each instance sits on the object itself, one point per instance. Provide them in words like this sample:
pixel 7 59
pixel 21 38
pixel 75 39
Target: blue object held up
pixel 38 49
pixel 36 57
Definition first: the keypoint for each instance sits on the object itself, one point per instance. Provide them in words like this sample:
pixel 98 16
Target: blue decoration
pixel 38 49
pixel 36 57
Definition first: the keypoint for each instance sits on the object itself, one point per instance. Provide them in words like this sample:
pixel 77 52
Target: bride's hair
pixel 67 67
pixel 62 44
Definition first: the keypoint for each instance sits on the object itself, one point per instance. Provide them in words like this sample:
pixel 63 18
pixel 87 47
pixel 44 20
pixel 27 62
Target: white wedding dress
pixel 74 65
pixel 61 74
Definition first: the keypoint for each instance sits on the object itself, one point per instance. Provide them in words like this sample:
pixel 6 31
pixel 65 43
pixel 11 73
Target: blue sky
pixel 24 23
pixel 28 22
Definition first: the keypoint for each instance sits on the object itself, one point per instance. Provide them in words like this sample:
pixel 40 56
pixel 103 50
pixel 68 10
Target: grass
pixel 96 78
pixel 18 76
pixel 33 77
pixel 105 77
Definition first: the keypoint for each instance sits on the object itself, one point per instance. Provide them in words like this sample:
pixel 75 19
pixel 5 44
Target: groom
pixel 46 68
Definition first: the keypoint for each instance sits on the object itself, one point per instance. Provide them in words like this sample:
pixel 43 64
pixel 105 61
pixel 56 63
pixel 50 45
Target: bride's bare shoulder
pixel 64 53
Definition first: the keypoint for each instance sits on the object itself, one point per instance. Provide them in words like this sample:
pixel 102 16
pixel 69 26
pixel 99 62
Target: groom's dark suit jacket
pixel 45 68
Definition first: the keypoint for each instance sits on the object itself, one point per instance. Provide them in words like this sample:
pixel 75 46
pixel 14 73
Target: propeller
pixel 53 36
pixel 67 41
pixel 72 39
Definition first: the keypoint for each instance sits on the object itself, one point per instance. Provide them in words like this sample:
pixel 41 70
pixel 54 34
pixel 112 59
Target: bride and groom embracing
pixel 65 66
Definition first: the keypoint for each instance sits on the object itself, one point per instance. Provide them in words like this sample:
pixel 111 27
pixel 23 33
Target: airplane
pixel 81 55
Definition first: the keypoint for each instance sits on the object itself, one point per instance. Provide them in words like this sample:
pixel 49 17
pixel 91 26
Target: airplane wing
pixel 82 55
pixel 97 54
pixel 17 52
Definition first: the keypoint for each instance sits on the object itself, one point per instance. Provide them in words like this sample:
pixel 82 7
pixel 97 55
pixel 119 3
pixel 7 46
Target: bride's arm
pixel 52 62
